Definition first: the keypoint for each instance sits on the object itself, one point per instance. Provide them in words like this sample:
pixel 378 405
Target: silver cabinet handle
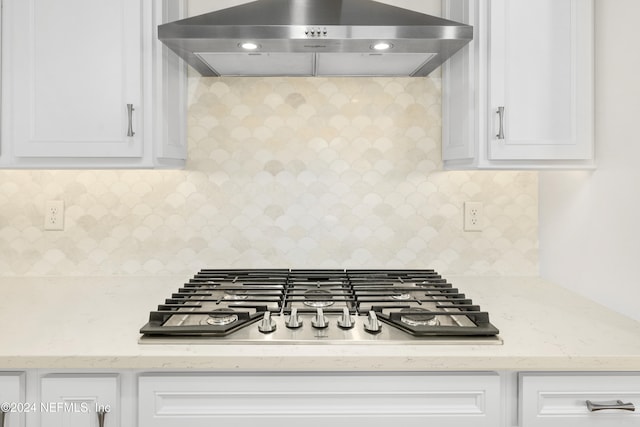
pixel 500 112
pixel 130 109
pixel 101 414
pixel 614 404
pixel 2 414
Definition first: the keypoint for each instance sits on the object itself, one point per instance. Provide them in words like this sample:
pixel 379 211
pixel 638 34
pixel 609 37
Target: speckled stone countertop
pixel 93 323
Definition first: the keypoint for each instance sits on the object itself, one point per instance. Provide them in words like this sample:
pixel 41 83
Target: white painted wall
pixel 590 222
pixel 197 7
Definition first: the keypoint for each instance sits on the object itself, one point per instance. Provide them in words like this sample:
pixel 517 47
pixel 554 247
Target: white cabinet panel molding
pixel 319 399
pixel 76 66
pixel 549 400
pixel 541 72
pixel 79 398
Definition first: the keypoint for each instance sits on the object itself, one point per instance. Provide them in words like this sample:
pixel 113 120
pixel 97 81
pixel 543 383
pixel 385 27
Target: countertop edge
pixel 286 363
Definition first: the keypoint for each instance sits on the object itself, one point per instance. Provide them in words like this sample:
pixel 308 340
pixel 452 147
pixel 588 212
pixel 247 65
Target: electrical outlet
pixel 473 216
pixel 54 215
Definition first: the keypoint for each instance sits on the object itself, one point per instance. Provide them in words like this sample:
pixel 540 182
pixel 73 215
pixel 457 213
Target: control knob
pixel 345 322
pixel 294 322
pixel 267 325
pixel 372 324
pixel 319 321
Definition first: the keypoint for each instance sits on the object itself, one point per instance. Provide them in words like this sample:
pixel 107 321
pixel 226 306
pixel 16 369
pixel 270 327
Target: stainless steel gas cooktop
pixel 281 306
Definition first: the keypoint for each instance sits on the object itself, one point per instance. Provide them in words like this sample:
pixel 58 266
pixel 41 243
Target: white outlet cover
pixel 473 216
pixel 54 215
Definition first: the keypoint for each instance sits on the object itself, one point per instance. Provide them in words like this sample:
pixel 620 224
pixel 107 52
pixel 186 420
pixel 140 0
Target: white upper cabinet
pixel 75 66
pixel 81 83
pixel 521 94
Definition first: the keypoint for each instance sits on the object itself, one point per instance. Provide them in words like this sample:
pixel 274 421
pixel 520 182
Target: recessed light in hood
pixel 315 38
pixel 249 46
pixel 381 46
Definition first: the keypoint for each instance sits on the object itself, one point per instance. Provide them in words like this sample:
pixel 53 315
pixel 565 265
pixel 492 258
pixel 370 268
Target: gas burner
pixel 318 298
pixel 424 283
pixel 312 306
pixel 231 294
pixel 418 317
pixel 221 317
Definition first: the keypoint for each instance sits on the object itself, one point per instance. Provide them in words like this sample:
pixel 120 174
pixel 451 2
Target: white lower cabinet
pixel 239 399
pixel 78 400
pixel 11 393
pixel 319 399
pixel 554 400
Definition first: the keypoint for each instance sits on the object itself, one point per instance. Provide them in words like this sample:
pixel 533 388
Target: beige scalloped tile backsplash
pixel 282 172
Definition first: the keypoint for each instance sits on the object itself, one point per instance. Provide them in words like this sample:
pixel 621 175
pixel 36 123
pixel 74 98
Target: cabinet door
pixel 76 400
pixel 12 392
pixel 167 97
pixel 314 400
pixel 550 400
pixel 71 69
pixel 541 73
pixel 461 87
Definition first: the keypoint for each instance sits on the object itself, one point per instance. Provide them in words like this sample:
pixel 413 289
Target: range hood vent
pixel 315 38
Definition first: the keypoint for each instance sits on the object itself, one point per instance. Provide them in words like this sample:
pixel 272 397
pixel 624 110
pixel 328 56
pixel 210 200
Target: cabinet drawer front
pixel 12 392
pixel 315 399
pixel 74 400
pixel 560 399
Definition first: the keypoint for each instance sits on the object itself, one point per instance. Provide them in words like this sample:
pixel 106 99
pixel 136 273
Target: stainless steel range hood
pixel 315 38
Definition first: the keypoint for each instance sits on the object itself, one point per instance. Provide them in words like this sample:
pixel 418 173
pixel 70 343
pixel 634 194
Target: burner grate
pixel 416 303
